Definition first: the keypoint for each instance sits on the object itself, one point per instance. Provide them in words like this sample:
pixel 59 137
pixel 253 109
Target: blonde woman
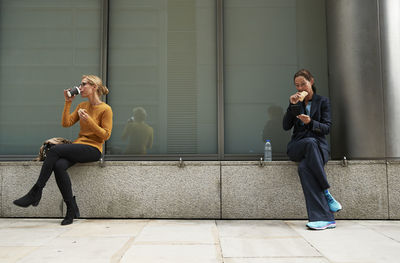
pixel 95 119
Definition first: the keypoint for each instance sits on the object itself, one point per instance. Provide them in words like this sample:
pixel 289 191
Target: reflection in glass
pixel 162 56
pixel 45 47
pixel 265 43
pixel 138 133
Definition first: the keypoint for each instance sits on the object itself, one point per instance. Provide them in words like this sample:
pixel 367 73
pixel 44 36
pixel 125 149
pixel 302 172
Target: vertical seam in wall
pixel 378 8
pixel 381 73
pixel 220 77
pixel 105 25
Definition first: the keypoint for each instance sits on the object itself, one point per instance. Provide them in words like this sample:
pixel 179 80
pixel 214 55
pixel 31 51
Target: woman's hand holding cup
pixel 67 98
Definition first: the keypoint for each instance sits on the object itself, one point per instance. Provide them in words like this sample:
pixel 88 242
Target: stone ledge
pixel 393 171
pixel 1 195
pixel 138 191
pixel 368 189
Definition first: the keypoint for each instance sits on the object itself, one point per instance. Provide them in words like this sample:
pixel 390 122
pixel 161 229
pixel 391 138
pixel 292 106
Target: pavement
pixel 197 241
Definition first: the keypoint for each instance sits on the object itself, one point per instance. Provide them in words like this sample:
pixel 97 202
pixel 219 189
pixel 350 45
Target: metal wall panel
pixel 390 44
pixel 355 80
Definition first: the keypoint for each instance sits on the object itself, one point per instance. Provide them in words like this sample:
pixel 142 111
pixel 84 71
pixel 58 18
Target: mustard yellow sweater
pixel 97 129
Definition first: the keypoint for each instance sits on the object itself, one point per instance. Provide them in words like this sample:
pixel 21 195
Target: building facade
pixel 212 76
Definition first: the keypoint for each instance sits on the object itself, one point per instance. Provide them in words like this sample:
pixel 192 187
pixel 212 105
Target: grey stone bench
pixel 204 189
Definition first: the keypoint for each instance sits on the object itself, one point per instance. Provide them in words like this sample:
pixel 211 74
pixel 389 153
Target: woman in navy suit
pixel 310 115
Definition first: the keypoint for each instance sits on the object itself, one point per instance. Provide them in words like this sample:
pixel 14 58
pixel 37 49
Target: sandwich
pixel 303 94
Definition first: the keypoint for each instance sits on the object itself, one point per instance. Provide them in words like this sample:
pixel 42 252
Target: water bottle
pixel 268 151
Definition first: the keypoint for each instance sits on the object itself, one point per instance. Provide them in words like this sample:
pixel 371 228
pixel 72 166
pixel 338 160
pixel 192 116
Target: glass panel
pixel 266 42
pixel 162 66
pixel 45 46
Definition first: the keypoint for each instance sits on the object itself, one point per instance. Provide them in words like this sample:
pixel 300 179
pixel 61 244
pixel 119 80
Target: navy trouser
pixel 312 175
pixel 59 158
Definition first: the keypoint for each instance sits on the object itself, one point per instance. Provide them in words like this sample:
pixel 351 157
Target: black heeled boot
pixel 72 211
pixel 31 198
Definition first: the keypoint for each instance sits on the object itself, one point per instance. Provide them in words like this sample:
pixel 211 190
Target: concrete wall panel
pixel 1 191
pixel 17 180
pixel 148 190
pixel 394 189
pixel 231 190
pixel 272 191
pixel 361 188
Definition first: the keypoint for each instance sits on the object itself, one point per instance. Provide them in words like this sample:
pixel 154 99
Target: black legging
pixel 59 158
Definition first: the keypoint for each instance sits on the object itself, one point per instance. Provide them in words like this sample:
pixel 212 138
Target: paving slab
pixel 264 239
pixel 13 254
pixel 277 260
pixel 31 235
pixel 72 249
pixel 254 228
pixel 107 228
pixel 167 253
pixel 351 242
pixel 179 232
pixel 197 241
pixel 176 241
pixel 390 229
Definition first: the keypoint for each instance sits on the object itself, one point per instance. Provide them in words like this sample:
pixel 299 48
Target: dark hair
pixel 307 75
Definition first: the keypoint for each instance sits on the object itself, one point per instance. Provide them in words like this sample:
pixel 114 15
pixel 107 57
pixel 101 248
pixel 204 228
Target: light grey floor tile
pixel 29 223
pixel 267 247
pixel 6 222
pixel 197 241
pixel 254 228
pixel 277 260
pixel 173 231
pixel 106 228
pixel 82 249
pixel 30 237
pixel 13 254
pixel 351 242
pixel 248 238
pixel 390 229
pixel 172 254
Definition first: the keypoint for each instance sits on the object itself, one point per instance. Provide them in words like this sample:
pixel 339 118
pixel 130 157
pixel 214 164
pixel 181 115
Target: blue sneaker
pixel 321 225
pixel 334 205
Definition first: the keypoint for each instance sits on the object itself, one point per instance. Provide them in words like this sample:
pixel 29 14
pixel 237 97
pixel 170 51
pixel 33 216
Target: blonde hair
pixel 94 80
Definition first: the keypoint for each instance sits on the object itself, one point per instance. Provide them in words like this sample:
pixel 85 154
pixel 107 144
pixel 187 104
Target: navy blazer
pixel 319 126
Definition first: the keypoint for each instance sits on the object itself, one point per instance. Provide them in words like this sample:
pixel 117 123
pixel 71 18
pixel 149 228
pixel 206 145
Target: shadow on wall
pixel 273 131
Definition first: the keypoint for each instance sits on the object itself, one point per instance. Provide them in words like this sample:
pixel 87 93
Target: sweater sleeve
pixel 69 119
pixel 104 129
